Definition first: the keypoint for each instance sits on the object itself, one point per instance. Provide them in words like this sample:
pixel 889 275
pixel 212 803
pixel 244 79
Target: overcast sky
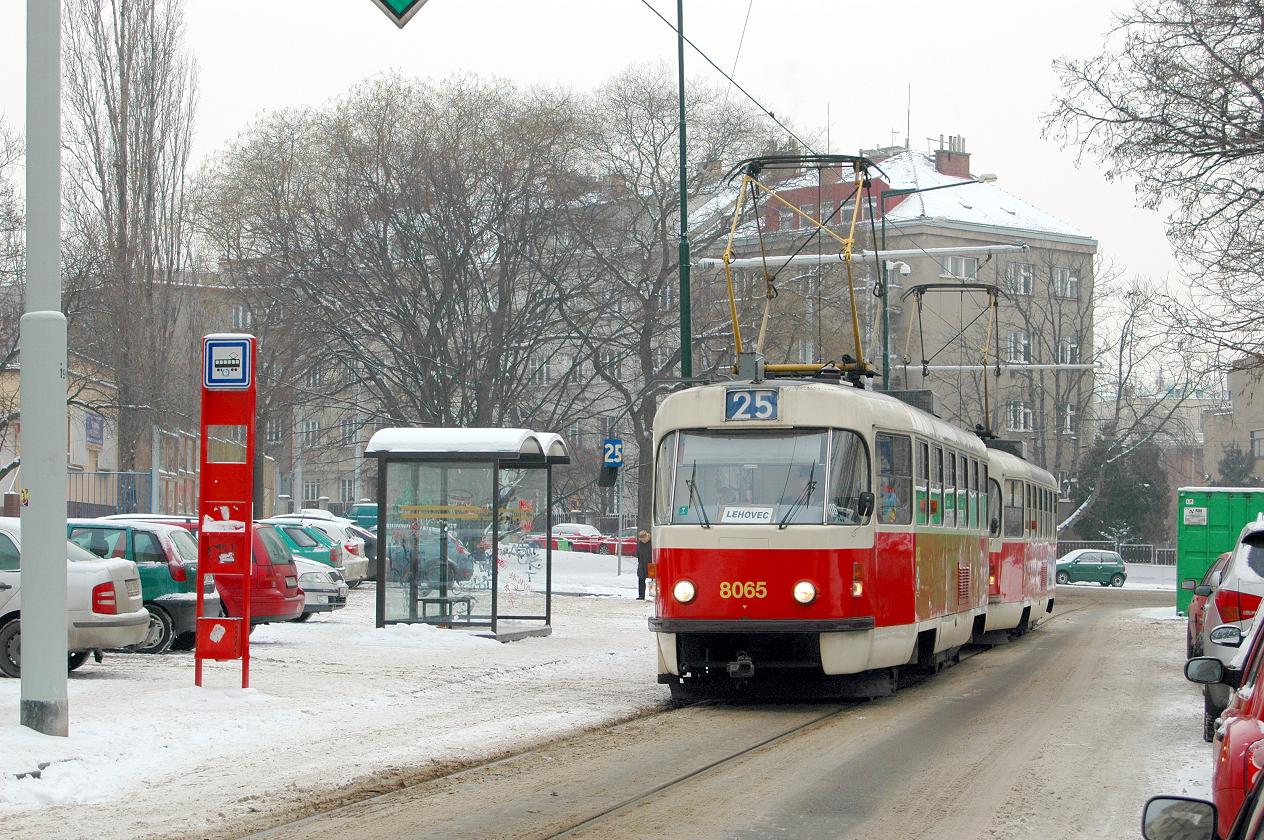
pixel 978 69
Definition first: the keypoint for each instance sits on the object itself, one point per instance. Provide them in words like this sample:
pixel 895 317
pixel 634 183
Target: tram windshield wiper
pixel 695 496
pixel 804 498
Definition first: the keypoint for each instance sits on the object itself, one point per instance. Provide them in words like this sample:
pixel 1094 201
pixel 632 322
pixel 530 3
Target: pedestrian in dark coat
pixel 644 555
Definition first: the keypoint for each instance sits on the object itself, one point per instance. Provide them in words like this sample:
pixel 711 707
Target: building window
pixel 1019 415
pixel 241 317
pixel 1019 347
pixel 1019 278
pixel 1069 351
pixel 312 378
pixel 346 490
pixel 810 210
pixel 785 218
pixel 346 431
pixel 661 358
pixel 960 268
pixel 539 374
pixel 1066 419
pixel 608 361
pixel 575 434
pixel 273 430
pixel 666 295
pixel 311 432
pixel 311 493
pixel 1257 443
pixel 1066 480
pixel 1066 282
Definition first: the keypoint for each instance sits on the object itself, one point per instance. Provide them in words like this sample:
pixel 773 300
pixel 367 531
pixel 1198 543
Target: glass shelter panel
pixel 438 533
pixel 523 539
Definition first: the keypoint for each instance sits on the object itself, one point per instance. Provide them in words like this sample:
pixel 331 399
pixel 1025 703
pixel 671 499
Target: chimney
pixel 953 160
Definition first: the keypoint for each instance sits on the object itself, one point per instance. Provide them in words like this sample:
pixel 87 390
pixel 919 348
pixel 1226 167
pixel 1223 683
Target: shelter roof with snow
pixel 498 444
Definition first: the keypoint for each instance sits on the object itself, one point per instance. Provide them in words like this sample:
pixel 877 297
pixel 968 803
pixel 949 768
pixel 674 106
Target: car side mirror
pixel 1202 590
pixel 1178 818
pixel 1189 583
pixel 1205 670
pixel 1227 635
pixel 864 505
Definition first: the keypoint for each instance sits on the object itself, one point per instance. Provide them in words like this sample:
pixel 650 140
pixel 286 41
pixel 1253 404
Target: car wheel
pixel 1117 581
pixel 304 616
pixel 1063 577
pixel 77 658
pixel 161 632
pixel 11 648
pixel 603 549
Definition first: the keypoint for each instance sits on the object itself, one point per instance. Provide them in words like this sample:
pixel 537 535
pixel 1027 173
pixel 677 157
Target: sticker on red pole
pixel 226 499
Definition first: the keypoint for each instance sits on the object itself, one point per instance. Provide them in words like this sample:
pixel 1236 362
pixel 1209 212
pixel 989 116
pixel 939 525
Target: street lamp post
pixel 886 313
pixel 686 328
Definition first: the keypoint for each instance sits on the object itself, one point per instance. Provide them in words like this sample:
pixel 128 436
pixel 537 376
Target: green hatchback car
pixel 308 543
pixel 1088 565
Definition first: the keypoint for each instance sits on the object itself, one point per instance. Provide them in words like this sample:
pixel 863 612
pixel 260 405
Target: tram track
pixel 587 813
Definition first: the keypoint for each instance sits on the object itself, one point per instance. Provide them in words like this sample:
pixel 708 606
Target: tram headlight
pixel 684 591
pixel 804 592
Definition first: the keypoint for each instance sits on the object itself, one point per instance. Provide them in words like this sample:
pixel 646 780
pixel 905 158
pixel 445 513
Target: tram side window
pixel 1029 510
pixel 923 483
pixel 994 508
pixel 937 487
pixel 976 501
pixel 1012 518
pixel 950 488
pixel 963 493
pixel 895 478
pixel 664 479
pixel 849 478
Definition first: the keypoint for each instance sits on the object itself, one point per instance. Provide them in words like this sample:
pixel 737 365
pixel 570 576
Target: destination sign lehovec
pixel 400 11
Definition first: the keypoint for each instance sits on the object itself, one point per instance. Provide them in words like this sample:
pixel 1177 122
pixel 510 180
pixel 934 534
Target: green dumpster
pixel 1207 525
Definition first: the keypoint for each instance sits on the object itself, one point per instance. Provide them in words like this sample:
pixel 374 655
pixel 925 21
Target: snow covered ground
pixel 332 701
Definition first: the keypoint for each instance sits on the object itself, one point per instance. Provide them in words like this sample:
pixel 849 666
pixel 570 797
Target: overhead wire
pixel 740 41
pixel 733 81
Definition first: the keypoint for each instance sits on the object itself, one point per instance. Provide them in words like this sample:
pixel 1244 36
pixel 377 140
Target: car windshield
pixel 300 536
pixel 277 553
pixel 185 545
pixel 1250 554
pixel 78 554
pixel 768 477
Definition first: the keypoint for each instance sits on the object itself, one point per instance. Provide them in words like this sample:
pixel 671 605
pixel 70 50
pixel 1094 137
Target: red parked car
pixel 578 537
pixel 1197 613
pixel 623 543
pixel 1238 742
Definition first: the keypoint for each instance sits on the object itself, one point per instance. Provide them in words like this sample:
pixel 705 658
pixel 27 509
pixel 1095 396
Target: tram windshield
pixel 767 477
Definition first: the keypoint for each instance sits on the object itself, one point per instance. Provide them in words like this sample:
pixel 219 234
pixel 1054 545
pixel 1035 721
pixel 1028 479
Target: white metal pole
pixel 44 707
pixel 618 516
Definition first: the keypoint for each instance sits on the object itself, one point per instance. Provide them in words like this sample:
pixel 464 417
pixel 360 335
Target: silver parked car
pixel 324 589
pixel 1235 601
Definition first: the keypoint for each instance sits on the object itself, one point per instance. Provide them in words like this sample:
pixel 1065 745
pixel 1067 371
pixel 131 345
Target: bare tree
pixel 130 96
pixel 416 227
pixel 1176 101
pixel 626 315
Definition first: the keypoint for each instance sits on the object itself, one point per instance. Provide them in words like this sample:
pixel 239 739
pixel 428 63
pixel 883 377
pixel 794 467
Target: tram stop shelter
pixel 465 536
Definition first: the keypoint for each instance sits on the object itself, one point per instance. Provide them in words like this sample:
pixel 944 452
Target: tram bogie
pixel 827 540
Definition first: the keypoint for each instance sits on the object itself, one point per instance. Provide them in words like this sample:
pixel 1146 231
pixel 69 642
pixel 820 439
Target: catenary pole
pixel 44 707
pixel 686 328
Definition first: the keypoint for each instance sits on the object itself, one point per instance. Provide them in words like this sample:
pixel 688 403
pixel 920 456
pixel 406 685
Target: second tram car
pixel 1024 539
pixel 812 528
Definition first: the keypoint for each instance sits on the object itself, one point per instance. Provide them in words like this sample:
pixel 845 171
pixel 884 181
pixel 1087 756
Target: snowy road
pixel 1062 734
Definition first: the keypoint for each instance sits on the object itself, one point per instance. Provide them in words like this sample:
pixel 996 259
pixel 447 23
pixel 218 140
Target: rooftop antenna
pixel 908 116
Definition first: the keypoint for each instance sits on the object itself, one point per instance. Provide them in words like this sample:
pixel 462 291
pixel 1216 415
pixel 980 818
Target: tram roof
pixel 691 408
pixel 499 444
pixel 1008 465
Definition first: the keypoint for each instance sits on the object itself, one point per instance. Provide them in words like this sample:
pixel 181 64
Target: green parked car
pixel 1090 565
pixel 363 514
pixel 308 543
pixel 166 557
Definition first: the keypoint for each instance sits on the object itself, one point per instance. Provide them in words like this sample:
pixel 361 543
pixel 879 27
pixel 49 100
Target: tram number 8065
pixel 743 589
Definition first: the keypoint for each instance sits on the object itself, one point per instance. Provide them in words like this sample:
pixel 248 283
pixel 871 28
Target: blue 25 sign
pixel 612 452
pixel 750 404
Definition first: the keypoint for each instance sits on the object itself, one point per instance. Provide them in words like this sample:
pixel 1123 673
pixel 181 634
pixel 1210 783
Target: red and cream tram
pixel 1024 543
pixel 810 527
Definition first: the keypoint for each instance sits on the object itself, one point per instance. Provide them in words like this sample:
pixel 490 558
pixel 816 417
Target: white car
pixel 1235 601
pixel 103 602
pixel 324 590
pixel 354 561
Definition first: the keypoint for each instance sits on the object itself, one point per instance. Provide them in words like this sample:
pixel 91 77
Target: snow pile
pixel 422 637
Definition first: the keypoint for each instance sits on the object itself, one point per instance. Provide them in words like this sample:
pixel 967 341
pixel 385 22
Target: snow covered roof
pixel 979 204
pixel 508 444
